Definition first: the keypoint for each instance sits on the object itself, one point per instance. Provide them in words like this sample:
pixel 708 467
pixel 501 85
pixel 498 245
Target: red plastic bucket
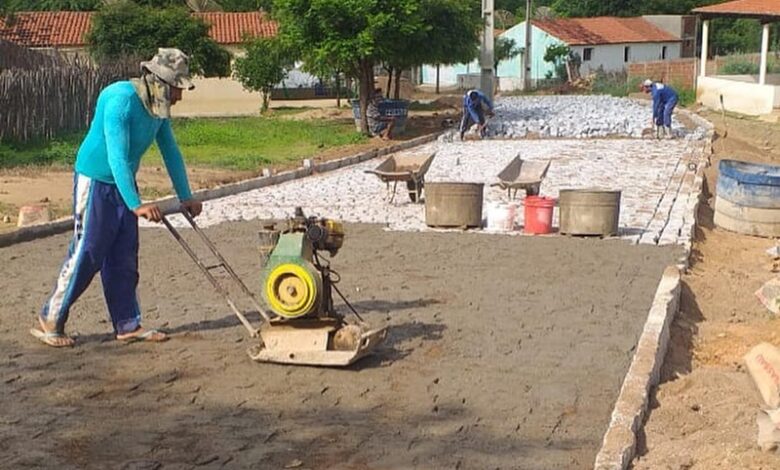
pixel 538 214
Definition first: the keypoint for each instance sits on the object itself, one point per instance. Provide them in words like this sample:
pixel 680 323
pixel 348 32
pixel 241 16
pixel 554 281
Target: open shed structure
pixel 747 94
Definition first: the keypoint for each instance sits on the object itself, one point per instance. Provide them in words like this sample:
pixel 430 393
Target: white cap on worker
pixel 647 82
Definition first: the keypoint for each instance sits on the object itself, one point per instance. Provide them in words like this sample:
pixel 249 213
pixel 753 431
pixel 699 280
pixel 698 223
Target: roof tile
pixel 604 30
pixel 230 28
pixel 47 28
pixel 744 7
pixel 69 28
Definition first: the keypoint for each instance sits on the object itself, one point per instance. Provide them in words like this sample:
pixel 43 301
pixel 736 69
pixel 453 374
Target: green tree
pixel 557 55
pixel 266 63
pixel 49 5
pixel 729 35
pixel 127 29
pixel 505 49
pixel 449 29
pixel 247 5
pixel 598 7
pixel 519 10
pixel 355 35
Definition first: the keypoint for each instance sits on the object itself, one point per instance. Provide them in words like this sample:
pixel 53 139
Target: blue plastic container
pixel 399 109
pixel 749 184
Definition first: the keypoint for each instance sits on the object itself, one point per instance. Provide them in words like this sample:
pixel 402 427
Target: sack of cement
pixel 769 295
pixel 763 363
pixel 768 429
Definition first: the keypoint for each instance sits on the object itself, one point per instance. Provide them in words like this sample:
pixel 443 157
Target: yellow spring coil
pixel 291 291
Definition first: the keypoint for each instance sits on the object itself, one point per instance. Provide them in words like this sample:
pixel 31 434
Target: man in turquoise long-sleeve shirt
pixel 106 204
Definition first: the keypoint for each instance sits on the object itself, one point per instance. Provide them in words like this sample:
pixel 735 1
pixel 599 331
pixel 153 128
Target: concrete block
pixel 619 443
pixel 35 214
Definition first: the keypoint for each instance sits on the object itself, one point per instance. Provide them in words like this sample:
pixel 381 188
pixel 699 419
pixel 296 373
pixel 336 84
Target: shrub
pixel 127 29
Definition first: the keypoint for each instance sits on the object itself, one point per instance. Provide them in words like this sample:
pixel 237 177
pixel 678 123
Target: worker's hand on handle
pixel 150 212
pixel 193 206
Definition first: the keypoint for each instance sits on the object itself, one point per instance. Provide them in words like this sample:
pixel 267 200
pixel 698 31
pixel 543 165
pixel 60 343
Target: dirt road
pixel 503 352
pixel 704 411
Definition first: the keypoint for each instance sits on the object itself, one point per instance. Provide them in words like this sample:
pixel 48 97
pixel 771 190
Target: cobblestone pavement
pixel 657 180
pixel 579 117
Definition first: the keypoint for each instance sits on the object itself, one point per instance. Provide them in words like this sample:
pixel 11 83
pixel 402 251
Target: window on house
pixel 587 54
pixel 626 53
pixel 663 53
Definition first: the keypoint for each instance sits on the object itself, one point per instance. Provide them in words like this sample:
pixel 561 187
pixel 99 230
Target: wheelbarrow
pixel 522 174
pixel 409 168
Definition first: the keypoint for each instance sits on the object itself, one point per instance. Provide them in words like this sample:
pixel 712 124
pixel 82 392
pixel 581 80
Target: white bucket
pixel 501 216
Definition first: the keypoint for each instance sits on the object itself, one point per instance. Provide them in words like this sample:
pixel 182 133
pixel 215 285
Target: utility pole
pixel 527 52
pixel 487 50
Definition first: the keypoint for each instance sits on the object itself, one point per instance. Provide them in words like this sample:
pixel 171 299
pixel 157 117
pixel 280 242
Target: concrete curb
pixel 619 444
pixel 618 447
pixel 169 204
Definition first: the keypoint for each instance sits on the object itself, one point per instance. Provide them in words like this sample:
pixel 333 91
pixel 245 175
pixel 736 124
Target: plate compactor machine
pixel 303 326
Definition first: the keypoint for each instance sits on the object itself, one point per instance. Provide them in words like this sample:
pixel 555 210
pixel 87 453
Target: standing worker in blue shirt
pixel 664 101
pixel 474 113
pixel 106 205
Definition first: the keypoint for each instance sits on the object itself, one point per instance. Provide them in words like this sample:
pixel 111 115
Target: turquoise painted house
pixel 603 43
pixel 509 71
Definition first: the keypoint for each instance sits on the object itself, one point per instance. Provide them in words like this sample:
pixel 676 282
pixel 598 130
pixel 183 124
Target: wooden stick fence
pixel 43 95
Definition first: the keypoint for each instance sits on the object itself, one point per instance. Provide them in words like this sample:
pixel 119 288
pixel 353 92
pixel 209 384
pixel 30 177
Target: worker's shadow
pixel 228 321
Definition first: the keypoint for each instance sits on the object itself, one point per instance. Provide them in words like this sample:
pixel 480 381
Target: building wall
pixel 540 41
pixel 448 74
pixel 680 73
pixel 610 57
pixel 682 26
pixel 214 97
pixel 739 97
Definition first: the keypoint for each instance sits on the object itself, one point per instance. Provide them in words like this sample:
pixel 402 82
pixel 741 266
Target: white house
pixel 608 43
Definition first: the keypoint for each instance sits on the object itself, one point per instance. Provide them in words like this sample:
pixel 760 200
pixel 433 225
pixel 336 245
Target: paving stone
pixel 653 176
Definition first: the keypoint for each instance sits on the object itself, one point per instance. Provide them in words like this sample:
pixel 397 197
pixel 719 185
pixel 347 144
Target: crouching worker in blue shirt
pixel 106 205
pixel 664 101
pixel 473 112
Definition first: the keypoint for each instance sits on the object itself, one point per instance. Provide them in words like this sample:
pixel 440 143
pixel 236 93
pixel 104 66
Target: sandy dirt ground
pixel 503 352
pixel 703 414
pixel 54 185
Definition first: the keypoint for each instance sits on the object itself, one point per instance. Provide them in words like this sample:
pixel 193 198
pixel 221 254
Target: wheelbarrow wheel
pixel 414 189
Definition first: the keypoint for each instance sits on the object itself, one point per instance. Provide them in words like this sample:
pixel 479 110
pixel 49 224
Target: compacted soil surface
pixel 502 352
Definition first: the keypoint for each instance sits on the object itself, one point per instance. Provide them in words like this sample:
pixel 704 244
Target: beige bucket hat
pixel 171 66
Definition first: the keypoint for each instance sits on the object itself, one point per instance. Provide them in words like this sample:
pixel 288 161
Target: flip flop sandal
pixel 146 336
pixel 48 337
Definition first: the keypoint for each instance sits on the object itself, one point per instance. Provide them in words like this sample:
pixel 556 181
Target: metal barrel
pixel 748 198
pixel 589 211
pixel 453 204
pixel 398 109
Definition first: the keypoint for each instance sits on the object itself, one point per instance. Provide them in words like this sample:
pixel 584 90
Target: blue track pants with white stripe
pixel 105 240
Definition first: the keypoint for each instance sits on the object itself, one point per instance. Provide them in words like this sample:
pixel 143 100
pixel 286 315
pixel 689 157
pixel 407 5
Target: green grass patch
pixel 60 150
pixel 232 143
pixel 247 143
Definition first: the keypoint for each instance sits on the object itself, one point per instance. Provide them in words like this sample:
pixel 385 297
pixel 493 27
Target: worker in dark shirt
pixel 378 125
pixel 473 112
pixel 664 101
